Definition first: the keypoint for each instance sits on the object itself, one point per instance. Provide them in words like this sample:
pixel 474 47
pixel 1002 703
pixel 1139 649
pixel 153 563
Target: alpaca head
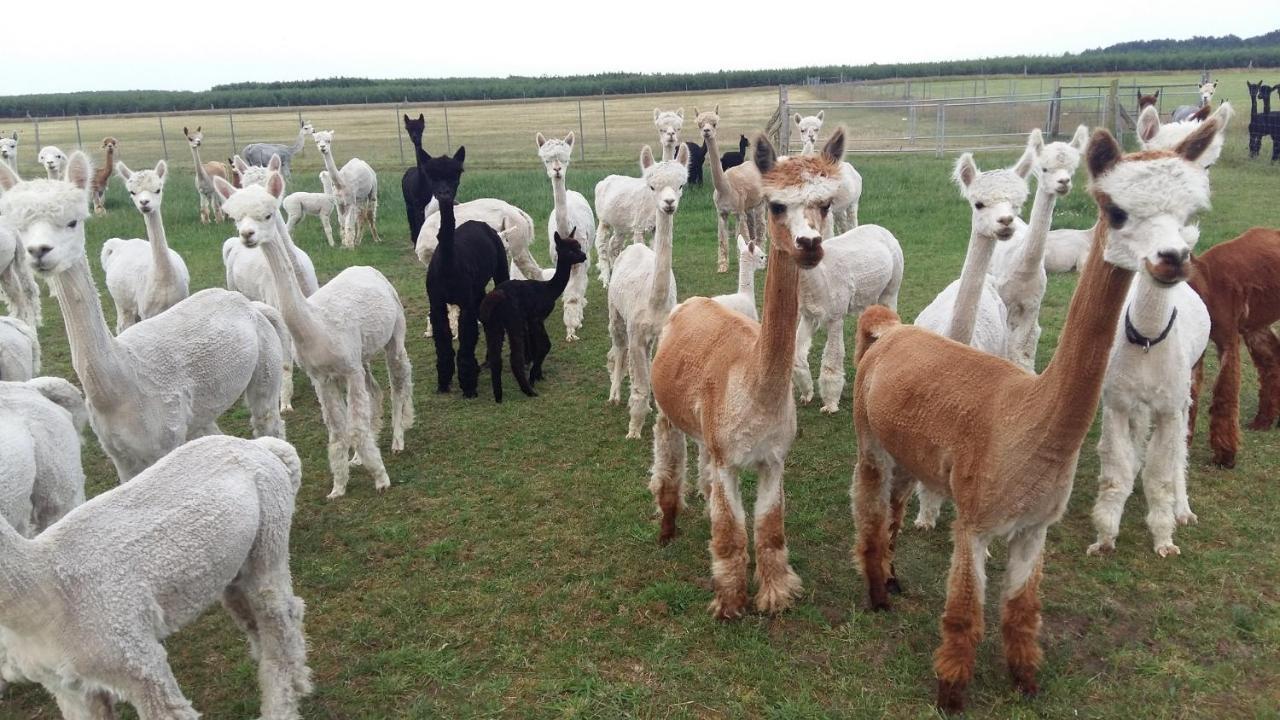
pixel 306 128
pixel 995 196
pixel 415 128
pixel 743 144
pixel 146 187
pixel 254 174
pixel 568 249
pixel 1148 201
pixel 707 121
pixel 668 123
pixel 1253 89
pixel 798 192
pixel 444 174
pixel 555 154
pixel 666 178
pixel 53 160
pixel 751 255
pixel 1055 163
pixel 194 137
pixel 109 144
pixel 1145 100
pixel 9 148
pixel 808 127
pixel 253 208
pixel 323 140
pixel 49 214
pixel 1156 136
pixel 1207 90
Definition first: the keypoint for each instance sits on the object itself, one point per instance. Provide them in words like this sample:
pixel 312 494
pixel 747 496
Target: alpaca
pixel 861 268
pixel 234 177
pixel 1003 442
pixel 1239 281
pixel 643 288
pixel 1153 135
pixel 1148 383
pixel 1268 123
pixel 144 277
pixel 9 151
pixel 669 124
pixel 53 160
pixel 19 350
pixel 1184 112
pixel 750 259
pixel 337 331
pixel 299 205
pixel 1145 100
pixel 1257 127
pixel 625 208
pixel 103 176
pixel 737 191
pixel 205 172
pixel 697 156
pixel 519 308
pixel 413 185
pixel 733 158
pixel 247 174
pixel 259 154
pixel 355 190
pixel 725 381
pixel 1018 265
pixel 468 255
pixel 571 210
pixel 844 210
pixel 166 379
pixel 1067 250
pixel 85 618
pixel 17 283
pixel 43 480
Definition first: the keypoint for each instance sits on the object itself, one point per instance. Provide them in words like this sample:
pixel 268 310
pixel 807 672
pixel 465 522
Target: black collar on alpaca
pixel 1132 335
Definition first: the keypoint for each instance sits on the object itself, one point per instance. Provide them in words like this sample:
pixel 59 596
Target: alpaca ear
pixel 819 115
pixel 646 158
pixel 656 113
pixel 1148 123
pixel 680 113
pixel 275 184
pixel 1025 163
pixel 1080 140
pixel 1035 141
pixel 682 155
pixel 185 131
pixel 796 119
pixel 223 188
pixel 1104 153
pixel 834 149
pixel 766 157
pixel 966 171
pixel 79 170
pixel 460 156
pixel 540 139
pixel 161 168
pixel 8 178
pixel 123 170
pixel 239 164
pixel 1199 141
pixel 568 139
pixel 274 163
pixel 1157 94
pixel 717 110
pixel 742 244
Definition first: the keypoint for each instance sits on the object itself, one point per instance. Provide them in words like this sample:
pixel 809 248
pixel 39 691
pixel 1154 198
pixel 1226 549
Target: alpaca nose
pixel 1174 257
pixel 1006 220
pixel 247 234
pixel 37 252
pixel 809 244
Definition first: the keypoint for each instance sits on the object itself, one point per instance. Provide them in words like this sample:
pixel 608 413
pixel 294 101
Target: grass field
pixel 512 571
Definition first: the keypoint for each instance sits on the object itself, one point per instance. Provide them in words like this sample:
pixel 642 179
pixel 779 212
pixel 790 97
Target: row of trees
pixel 1153 55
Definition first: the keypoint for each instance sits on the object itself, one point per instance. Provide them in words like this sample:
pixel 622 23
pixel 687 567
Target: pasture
pixel 512 568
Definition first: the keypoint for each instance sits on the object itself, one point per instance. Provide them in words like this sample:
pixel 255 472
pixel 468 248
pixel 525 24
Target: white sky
pixel 191 46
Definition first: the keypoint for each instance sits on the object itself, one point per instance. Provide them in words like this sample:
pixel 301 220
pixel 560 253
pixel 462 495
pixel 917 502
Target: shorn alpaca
pixel 19 350
pixel 413 184
pixel 518 309
pixel 844 209
pixel 737 192
pixel 1184 112
pixel 102 177
pixel 85 618
pixel 513 224
pixel 210 202
pixel 1003 442
pixel 9 151
pixel 41 421
pixel 336 332
pixel 571 210
pixel 253 174
pixel 669 124
pixel 355 189
pixel 860 268
pixel 53 160
pixel 299 205
pixel 17 282
pixel 259 154
pixel 750 259
pixel 725 381
pixel 144 277
pixel 1154 135
pixel 643 289
pixel 166 379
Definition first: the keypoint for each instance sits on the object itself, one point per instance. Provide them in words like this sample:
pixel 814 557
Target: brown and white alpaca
pixel 999 440
pixel 737 191
pixel 210 200
pixel 726 381
pixel 1239 281
pixel 102 176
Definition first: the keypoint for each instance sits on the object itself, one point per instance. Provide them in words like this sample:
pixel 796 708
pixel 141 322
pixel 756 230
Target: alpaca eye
pixel 826 208
pixel 269 215
pixel 1116 217
pixel 777 208
pixel 979 206
pixel 72 224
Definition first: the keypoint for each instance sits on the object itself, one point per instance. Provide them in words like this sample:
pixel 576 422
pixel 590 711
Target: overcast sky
pixel 193 45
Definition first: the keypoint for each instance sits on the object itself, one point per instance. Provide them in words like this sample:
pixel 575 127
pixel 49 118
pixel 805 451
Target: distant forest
pixel 1197 53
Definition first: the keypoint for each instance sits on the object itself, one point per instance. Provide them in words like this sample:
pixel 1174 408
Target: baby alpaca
pixel 85 618
pixel 750 259
pixel 53 160
pixel 19 350
pixel 299 205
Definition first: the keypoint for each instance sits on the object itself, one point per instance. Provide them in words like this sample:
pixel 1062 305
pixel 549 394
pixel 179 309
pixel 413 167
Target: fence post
pixel 1113 98
pixel 79 141
pixel 784 120
pixel 164 143
pixel 400 135
pixel 231 120
pixel 37 124
pixel 582 146
pixel 604 119
pixel 447 142
pixel 911 126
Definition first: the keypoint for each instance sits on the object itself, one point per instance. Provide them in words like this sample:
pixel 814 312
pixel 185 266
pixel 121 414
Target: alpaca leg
pixel 722 239
pixel 706 471
pixel 1118 456
pixel 439 317
pixel 667 480
pixel 215 201
pixel 1264 348
pixel 400 372
pixel 831 375
pixel 265 588
pixel 494 331
pixel 617 358
pixel 728 546
pixel 777 584
pixel 263 396
pixel 541 347
pixel 21 292
pixel 1020 616
pixel 801 375
pixel 930 507
pixel 1224 412
pixel 575 302
pixel 899 494
pixel 468 337
pixel 638 359
pixel 1166 456
pixel 328 228
pixel 1197 379
pixel 204 209
pixel 962 623
pixel 80 705
pixel 604 261
pixel 376 399
pixel 360 427
pixel 237 604
pixel 1181 503
pixel 870 494
pixel 150 685
pixel 373 219
pixel 518 336
pixel 333 407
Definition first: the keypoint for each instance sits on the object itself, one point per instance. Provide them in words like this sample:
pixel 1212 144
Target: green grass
pixel 512 569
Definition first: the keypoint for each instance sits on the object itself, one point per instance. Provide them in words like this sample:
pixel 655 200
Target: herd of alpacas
pixel 949 407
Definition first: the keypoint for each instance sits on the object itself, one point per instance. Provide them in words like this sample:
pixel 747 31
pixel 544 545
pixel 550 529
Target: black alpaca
pixel 467 258
pixel 413 184
pixel 697 154
pixel 1270 120
pixel 519 309
pixel 734 159
pixel 1257 127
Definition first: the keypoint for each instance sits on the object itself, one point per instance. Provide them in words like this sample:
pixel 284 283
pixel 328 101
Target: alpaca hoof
pixel 470 394
pixel 381 486
pixel 830 409
pixel 893 586
pixel 950 697
pixel 355 460
pixel 1186 518
pixel 442 389
pixel 1025 682
pixel 722 268
pixel 780 595
pixel 1260 423
pixel 286 408
pixel 806 398
pixel 530 393
pixel 924 523
pixel 1224 459
pixel 427 333
pixel 666 536
pixel 633 434
pixel 728 610
pixel 1167 549
pixel 335 493
pixel 1102 547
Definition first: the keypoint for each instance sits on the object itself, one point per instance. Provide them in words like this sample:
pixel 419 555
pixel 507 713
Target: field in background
pixel 511 570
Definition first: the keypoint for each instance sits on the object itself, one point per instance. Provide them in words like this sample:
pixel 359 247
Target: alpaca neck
pixel 776 345
pixel 662 259
pixel 162 266
pixel 334 176
pixel 96 355
pixel 668 152
pixel 718 179
pixel 448 223
pixel 746 275
pixel 1151 307
pixel 560 280
pixel 809 147
pixel 561 196
pixel 305 283
pixel 201 176
pixel 972 280
pixel 18 582
pixel 302 324
pixel 1032 259
pixel 299 143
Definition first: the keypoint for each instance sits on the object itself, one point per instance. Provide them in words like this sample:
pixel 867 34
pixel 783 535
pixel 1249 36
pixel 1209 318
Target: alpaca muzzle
pixel 1170 268
pixel 809 251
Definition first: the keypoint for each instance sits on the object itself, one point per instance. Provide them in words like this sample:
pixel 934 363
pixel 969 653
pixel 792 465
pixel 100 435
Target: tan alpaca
pixel 726 381
pixel 738 191
pixel 1001 441
pixel 210 200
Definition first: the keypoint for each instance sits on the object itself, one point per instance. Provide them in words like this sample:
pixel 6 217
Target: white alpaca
pixel 210 203
pixel 669 124
pixel 643 288
pixel 751 258
pixel 513 224
pixel 87 603
pixel 9 151
pixel 1067 250
pixel 17 283
pixel 166 379
pixel 844 208
pixel 255 174
pixel 144 277
pixel 337 332
pixel 624 205
pixel 53 160
pixel 355 191
pixel 1184 112
pixel 299 205
pixel 859 268
pixel 1153 135
pixel 1018 265
pixel 571 214
pixel 19 350
pixel 42 479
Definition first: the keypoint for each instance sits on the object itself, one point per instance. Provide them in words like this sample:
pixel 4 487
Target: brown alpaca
pixel 102 176
pixel 738 192
pixel 1145 100
pixel 1002 442
pixel 210 201
pixel 726 381
pixel 1239 282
